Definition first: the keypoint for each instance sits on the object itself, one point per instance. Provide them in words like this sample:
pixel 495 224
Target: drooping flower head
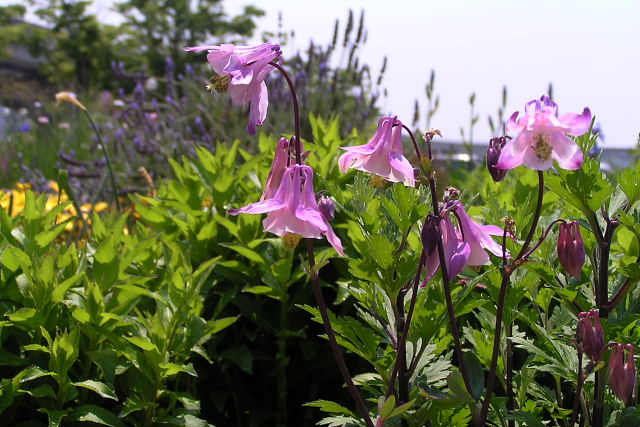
pixel 591 334
pixel 382 155
pixel 293 210
pixel 463 245
pixel 571 248
pixel 540 136
pixel 278 165
pixel 242 70
pixel 622 376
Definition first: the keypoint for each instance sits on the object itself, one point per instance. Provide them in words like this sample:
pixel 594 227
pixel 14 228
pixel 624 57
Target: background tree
pixel 163 28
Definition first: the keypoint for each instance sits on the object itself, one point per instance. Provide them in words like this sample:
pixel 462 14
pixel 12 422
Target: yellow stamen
pixel 291 240
pixel 219 83
pixel 541 148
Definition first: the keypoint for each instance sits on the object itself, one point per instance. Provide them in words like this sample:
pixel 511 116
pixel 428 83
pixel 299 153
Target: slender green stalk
pixel 507 271
pixel 114 187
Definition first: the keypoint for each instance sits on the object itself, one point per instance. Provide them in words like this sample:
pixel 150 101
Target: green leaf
pixel 215 326
pixel 476 374
pixel 381 250
pixel 455 382
pixel 173 369
pixel 387 407
pixel 245 252
pixel 96 414
pixel 142 342
pixel 101 388
pixel 331 407
pixel 14 258
pixel 46 237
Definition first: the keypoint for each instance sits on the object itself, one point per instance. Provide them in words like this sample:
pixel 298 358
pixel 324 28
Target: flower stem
pixel 405 326
pixel 342 366
pixel 114 187
pixel 576 399
pixel 322 306
pixel 626 287
pixel 602 300
pixel 296 110
pixel 507 270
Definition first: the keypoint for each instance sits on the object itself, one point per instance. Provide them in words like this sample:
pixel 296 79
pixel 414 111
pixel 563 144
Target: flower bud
pixel 622 377
pixel 493 154
pixel 327 207
pixel 430 234
pixel 590 334
pixel 571 248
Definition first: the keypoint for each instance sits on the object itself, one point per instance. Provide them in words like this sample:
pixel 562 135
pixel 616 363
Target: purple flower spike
pixel 242 70
pixel 541 137
pixel 293 210
pixel 382 155
pixel 622 376
pixel 591 334
pixel 571 248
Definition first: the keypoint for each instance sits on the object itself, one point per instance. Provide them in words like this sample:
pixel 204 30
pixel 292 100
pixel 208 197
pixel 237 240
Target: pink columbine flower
pixel 293 210
pixel 571 251
pixel 622 376
pixel 278 165
pixel 478 236
pixel 242 70
pixel 463 245
pixel 382 155
pixel 540 137
pixel 591 334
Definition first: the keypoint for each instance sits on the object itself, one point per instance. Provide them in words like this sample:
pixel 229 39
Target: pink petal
pixel 259 207
pixel 576 124
pixel 513 127
pixel 510 157
pixel 401 171
pixel 258 110
pixel 566 152
pixel 532 161
pixel 334 240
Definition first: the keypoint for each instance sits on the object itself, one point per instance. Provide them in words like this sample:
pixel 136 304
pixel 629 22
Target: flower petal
pixel 567 153
pixel 576 124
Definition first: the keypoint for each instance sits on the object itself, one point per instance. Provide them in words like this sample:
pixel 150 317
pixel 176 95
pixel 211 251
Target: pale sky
pixel 588 49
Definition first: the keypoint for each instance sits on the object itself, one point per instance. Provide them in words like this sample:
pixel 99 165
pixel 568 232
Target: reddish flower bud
pixel 622 376
pixel 493 154
pixel 430 234
pixel 327 207
pixel 571 248
pixel 590 334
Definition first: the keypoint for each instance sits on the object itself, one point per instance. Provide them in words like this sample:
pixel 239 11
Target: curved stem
pixel 114 187
pixel 620 294
pixel 543 237
pixel 322 306
pixel 342 366
pixel 447 291
pixel 296 111
pixel 417 150
pixel 536 217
